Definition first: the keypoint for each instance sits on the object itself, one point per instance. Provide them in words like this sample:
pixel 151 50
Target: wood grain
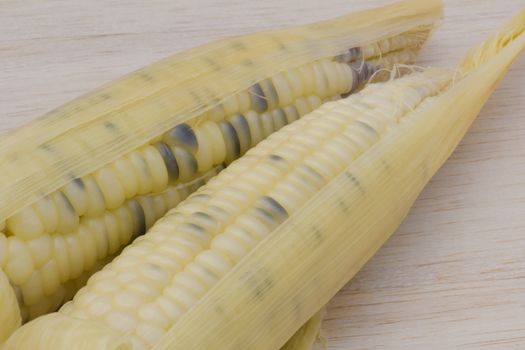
pixel 452 276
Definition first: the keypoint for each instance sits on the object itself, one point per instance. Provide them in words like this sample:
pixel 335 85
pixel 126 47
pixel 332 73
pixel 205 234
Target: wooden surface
pixel 452 277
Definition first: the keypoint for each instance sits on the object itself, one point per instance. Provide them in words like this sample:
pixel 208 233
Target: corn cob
pixel 63 216
pixel 279 231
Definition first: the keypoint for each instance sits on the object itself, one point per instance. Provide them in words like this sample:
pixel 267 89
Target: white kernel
pixel 148 292
pixel 294 79
pixel 321 81
pixel 244 101
pixel 96 204
pixel 41 249
pixel 267 124
pixel 303 107
pixel 178 253
pixel 190 282
pixel 127 176
pixel 187 164
pixel 50 277
pixel 67 308
pixel 314 102
pixel 128 299
pixel 152 314
pixel 125 222
pixel 112 232
pixel 150 334
pixel 32 289
pixel 142 171
pixel 284 91
pixel 75 192
pixel 105 287
pixel 136 342
pixel 228 247
pixel 171 197
pixel 351 78
pixel 157 168
pixel 159 205
pixel 204 275
pixel 48 214
pixel 76 255
pixel 214 262
pixel 291 113
pixel 126 275
pixel 288 196
pixel 19 265
pixel 170 308
pixel 154 274
pixel 26 224
pixel 279 118
pixel 110 187
pixel 121 321
pixel 216 113
pixel 342 87
pixel 60 253
pixel 89 247
pixel 100 306
pixel 68 219
pixel 231 105
pixel 242 236
pixel 149 212
pixel 255 125
pixel 250 225
pixel 306 73
pixel 204 155
pixel 96 227
pixel 332 77
pixel 180 295
pixel 214 135
pixel 79 313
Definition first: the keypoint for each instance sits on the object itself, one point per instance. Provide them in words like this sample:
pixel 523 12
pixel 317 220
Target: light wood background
pixel 452 277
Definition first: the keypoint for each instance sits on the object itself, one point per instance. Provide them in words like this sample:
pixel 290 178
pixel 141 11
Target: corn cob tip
pixel 510 32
